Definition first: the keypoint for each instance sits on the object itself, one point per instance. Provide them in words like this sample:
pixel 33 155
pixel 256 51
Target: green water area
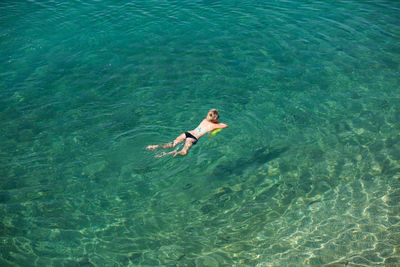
pixel 306 174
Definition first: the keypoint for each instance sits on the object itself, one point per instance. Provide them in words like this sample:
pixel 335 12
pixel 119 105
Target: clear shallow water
pixel 307 174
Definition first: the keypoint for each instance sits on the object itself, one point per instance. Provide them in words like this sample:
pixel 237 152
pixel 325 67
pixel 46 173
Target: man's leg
pixel 178 140
pixel 185 149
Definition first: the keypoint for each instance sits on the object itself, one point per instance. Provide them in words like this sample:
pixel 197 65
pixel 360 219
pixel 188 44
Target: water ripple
pixel 306 174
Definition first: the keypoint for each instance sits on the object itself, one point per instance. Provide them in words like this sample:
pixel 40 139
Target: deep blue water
pixel 307 174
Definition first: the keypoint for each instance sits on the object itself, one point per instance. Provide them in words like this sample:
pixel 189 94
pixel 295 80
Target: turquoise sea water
pixel 307 174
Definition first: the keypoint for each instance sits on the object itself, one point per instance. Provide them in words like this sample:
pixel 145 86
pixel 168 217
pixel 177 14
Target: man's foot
pixel 161 155
pixel 151 147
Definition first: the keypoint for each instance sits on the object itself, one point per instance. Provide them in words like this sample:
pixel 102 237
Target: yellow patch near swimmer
pixel 215 131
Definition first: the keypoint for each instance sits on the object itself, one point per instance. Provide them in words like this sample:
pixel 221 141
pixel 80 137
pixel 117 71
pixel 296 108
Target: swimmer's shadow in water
pixel 237 167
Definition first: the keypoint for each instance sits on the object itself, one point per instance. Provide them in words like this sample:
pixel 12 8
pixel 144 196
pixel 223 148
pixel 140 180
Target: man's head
pixel 213 115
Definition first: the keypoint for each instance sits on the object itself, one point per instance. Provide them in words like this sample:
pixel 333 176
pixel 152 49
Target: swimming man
pixel 209 124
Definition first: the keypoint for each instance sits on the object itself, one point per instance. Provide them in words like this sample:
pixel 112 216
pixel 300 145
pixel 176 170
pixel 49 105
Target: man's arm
pixel 222 125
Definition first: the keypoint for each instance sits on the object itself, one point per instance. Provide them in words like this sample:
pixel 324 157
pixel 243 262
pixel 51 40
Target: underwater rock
pixel 267 194
pixel 394 153
pixel 390 142
pixel 173 252
pixel 222 191
pixel 288 196
pixel 376 146
pixel 207 208
pixel 206 262
pixel 187 186
pixel 376 168
pixel 316 154
pixel 394 198
pixel 319 189
pixel 84 262
pixel 135 256
pixel 94 168
pixel 273 171
pixel 392 261
pixel 306 185
pixel 222 171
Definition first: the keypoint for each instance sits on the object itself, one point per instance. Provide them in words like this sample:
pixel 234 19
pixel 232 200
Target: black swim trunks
pixel 189 135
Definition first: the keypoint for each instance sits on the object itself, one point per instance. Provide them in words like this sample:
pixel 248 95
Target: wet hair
pixel 213 115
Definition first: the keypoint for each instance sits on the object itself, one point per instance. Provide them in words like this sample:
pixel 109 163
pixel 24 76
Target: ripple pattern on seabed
pixel 308 174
